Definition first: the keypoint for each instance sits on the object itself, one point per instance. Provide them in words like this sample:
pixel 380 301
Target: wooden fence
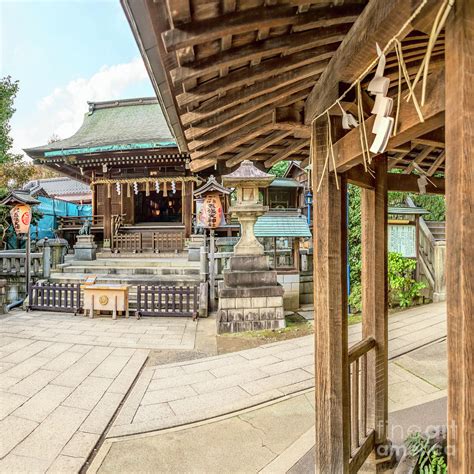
pixel 362 435
pixel 155 300
pixel 63 297
pixel 152 241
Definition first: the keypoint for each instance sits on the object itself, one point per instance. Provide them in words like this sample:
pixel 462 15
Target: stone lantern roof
pixel 248 173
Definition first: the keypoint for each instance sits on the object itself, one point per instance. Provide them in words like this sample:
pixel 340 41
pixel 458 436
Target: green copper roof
pixel 112 126
pixel 282 224
pixel 285 183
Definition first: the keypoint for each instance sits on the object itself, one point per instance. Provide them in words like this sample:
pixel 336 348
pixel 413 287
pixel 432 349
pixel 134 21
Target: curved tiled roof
pixel 122 122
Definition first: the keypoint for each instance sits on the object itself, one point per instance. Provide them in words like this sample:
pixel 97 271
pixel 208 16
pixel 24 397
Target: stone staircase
pixel 131 270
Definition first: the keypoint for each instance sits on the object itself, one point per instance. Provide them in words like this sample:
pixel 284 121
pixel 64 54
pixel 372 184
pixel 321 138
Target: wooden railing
pixel 167 300
pixel 76 222
pixel 164 241
pixel 168 241
pixel 117 222
pixel 61 297
pixel 362 435
pixel 14 263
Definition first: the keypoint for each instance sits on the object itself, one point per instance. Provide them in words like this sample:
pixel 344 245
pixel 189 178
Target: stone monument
pixel 85 248
pixel 251 297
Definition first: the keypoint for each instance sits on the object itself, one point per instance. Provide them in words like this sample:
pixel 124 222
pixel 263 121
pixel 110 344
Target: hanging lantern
pixel 211 212
pixel 118 188
pixel 21 218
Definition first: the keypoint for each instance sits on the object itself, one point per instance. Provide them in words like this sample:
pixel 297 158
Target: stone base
pixel 250 314
pixel 85 248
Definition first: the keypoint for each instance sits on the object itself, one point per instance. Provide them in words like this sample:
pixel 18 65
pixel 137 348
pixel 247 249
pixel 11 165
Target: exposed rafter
pixel 258 146
pixel 287 152
pixel 191 34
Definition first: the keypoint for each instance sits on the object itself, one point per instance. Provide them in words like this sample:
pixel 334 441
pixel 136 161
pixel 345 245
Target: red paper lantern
pixel 21 218
pixel 211 211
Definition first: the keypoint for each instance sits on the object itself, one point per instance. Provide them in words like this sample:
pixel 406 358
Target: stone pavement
pixel 63 377
pixel 145 333
pixel 186 392
pixel 57 399
pixel 277 436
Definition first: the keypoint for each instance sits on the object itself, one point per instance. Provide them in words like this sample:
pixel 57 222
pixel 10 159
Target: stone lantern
pixel 251 297
pixel 247 180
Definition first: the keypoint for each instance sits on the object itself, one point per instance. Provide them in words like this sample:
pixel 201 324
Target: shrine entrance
pixel 158 208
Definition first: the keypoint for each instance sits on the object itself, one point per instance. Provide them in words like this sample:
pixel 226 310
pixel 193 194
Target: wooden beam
pixel 293 92
pixel 348 150
pixel 257 147
pixel 220 147
pixel 202 164
pixel 246 21
pixel 284 154
pixel 358 176
pixel 460 234
pixel 235 98
pixel 409 183
pixel 437 163
pixel 303 131
pixel 251 75
pixel 330 297
pixel 418 160
pixel 378 23
pixel 240 56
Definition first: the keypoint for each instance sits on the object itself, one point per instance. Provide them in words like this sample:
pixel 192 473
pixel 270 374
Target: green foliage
pixel 436 205
pixel 355 298
pixel 402 286
pixel 429 454
pixel 280 168
pixel 8 91
pixel 354 237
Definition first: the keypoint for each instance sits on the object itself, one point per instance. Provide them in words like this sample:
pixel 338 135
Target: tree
pixel 8 91
pixel 280 168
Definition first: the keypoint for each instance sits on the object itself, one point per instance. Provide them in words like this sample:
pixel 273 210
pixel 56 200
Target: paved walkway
pixel 178 394
pixel 63 377
pixel 278 436
pixel 145 333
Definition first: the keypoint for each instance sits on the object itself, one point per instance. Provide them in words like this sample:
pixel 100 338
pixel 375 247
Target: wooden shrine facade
pixel 271 81
pixel 141 183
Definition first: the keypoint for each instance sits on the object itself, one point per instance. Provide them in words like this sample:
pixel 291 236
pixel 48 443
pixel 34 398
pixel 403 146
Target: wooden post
pixel 460 234
pixel 187 206
pixel 107 216
pixel 375 298
pixel 330 296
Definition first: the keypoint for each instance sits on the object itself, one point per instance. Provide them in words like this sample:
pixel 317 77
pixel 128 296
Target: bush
pixel 402 287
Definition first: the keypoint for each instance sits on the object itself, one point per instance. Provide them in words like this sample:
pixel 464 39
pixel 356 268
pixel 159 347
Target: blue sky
pixel 65 52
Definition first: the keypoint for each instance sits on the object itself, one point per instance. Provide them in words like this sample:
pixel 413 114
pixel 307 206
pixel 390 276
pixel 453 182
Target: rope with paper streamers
pixel 395 43
pixel 131 181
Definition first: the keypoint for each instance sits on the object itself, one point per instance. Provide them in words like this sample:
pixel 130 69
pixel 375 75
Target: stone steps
pixel 120 270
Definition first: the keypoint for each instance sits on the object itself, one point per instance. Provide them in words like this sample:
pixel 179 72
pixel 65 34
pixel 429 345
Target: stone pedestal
pixel 85 248
pixel 251 297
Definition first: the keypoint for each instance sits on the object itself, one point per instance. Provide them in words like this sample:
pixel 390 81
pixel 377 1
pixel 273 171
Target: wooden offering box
pixel 111 297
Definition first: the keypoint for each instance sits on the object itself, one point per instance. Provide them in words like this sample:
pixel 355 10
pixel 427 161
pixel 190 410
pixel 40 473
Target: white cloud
pixel 61 112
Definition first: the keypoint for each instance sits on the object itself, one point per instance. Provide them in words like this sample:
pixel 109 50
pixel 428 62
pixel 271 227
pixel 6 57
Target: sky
pixel 65 53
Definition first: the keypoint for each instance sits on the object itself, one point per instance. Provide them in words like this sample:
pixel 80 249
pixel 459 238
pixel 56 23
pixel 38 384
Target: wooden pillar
pixel 330 297
pixel 375 298
pixel 107 215
pixel 187 206
pixel 460 234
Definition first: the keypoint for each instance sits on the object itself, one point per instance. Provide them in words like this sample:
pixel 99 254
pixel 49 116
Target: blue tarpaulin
pixel 51 209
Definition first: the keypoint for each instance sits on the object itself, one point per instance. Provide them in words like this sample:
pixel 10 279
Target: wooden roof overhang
pixel 242 80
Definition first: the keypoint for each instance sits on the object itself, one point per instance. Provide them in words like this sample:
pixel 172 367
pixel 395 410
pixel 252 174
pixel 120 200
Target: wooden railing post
pixel 375 298
pixel 330 296
pixel 460 234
